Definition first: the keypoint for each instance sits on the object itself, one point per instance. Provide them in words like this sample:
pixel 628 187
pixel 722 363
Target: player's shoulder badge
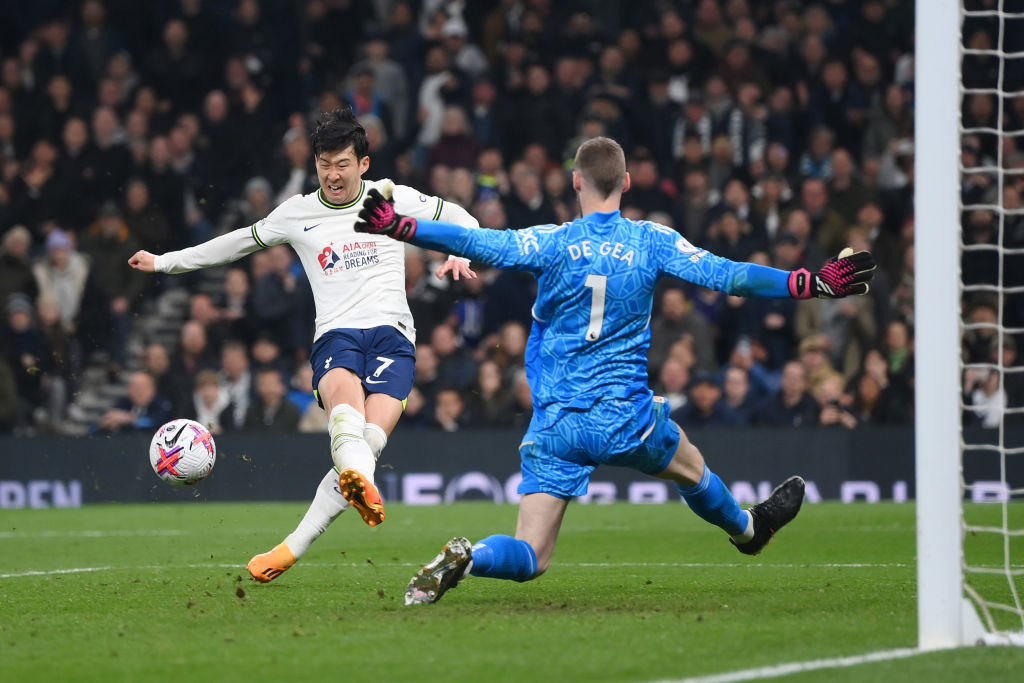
pixel 695 254
pixel 683 245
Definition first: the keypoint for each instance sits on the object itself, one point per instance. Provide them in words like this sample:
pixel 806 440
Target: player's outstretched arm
pixel 218 251
pixel 845 275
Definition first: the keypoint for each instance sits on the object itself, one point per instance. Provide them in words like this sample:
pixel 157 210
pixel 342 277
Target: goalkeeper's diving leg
pixel 706 494
pixel 521 558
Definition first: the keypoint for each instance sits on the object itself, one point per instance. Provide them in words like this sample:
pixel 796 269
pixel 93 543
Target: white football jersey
pixel 358 280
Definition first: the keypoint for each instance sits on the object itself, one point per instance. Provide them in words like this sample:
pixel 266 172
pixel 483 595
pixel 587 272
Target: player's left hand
pixel 457 267
pixel 846 275
pixel 378 217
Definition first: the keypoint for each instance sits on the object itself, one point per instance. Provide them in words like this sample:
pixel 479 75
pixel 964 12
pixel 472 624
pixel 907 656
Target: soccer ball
pixel 182 452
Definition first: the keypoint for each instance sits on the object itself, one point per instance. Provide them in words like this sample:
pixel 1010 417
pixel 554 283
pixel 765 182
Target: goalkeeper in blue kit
pixel 586 361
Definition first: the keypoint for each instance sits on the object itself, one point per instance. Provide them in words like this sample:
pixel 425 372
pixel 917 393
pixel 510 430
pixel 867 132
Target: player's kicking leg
pixel 327 505
pixel 522 558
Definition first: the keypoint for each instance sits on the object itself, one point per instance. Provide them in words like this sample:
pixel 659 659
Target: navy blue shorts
pixel 382 356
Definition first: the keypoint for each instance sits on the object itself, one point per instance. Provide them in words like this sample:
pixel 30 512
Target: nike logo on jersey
pixel 309 227
pixel 374 381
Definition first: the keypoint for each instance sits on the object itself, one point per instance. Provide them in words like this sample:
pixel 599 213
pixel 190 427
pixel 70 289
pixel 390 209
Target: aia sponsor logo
pixel 348 256
pixel 328 258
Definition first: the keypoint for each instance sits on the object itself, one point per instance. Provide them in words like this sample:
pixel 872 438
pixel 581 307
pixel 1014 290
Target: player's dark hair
pixel 337 129
pixel 602 164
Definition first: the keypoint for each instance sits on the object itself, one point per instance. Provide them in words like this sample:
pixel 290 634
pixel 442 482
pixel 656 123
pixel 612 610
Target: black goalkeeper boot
pixel 773 514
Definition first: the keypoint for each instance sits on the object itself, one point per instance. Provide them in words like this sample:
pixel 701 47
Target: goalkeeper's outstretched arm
pixel 847 274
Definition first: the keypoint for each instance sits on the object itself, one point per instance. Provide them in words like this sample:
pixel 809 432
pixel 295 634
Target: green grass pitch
pixel 635 593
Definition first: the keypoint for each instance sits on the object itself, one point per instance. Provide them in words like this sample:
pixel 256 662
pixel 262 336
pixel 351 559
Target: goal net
pixel 969 116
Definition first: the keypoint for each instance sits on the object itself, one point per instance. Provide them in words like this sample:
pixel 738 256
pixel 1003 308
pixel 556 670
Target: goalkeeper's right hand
pixel 378 217
pixel 846 275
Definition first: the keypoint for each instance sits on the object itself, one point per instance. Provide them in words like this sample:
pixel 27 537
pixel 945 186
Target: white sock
pixel 748 533
pixel 348 447
pixel 327 504
pixel 375 438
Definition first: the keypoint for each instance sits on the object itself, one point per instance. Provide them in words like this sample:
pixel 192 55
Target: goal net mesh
pixel 992 308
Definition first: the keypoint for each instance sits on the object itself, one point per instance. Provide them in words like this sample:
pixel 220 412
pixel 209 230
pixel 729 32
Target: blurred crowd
pixel 772 131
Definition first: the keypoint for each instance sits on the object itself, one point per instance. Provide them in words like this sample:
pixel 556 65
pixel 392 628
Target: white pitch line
pixel 324 564
pixel 121 533
pixel 354 564
pixel 755 565
pixel 50 572
pixel 777 670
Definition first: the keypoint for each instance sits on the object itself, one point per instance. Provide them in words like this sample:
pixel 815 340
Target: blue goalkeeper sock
pixel 504 557
pixel 713 502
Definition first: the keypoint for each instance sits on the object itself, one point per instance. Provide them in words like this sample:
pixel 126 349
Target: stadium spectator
pixel 527 205
pixel 834 403
pixel 209 401
pixel 523 411
pixel 672 384
pixel 456 147
pixel 147 222
pixel 192 355
pixel 157 362
pixel 827 226
pixel 791 406
pixel 274 298
pixel 678 318
pixel 295 174
pixel 449 410
pixel 898 346
pixel 269 410
pixel 736 394
pixel 300 391
pixel 490 403
pixel 235 305
pixel 141 410
pixel 849 330
pixel 61 276
pixel 8 398
pixel 267 355
pixel 428 302
pixel 365 98
pixel 15 264
pixel 109 244
pixel 705 407
pixel 236 377
pixel 847 194
pixel 391 83
pixel 815 355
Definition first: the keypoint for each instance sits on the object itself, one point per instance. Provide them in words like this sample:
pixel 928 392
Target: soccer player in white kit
pixel 363 353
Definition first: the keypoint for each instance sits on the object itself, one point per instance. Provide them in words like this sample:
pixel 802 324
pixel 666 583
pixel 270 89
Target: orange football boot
pixel 271 564
pixel 362 495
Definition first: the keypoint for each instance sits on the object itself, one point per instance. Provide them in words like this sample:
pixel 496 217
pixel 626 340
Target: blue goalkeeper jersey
pixel 596 279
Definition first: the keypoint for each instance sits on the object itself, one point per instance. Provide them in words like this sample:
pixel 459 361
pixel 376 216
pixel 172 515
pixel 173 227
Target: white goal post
pixel 946 618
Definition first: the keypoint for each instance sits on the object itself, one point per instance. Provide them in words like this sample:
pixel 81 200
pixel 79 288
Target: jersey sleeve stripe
pixel 437 214
pixel 257 237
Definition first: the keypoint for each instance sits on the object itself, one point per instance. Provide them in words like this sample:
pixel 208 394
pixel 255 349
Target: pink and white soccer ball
pixel 182 452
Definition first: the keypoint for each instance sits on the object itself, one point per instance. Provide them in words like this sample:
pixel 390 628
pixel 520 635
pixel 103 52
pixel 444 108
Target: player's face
pixel 339 173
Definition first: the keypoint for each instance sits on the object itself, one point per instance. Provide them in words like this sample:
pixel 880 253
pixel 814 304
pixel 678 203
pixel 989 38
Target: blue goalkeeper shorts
pixel 560 451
